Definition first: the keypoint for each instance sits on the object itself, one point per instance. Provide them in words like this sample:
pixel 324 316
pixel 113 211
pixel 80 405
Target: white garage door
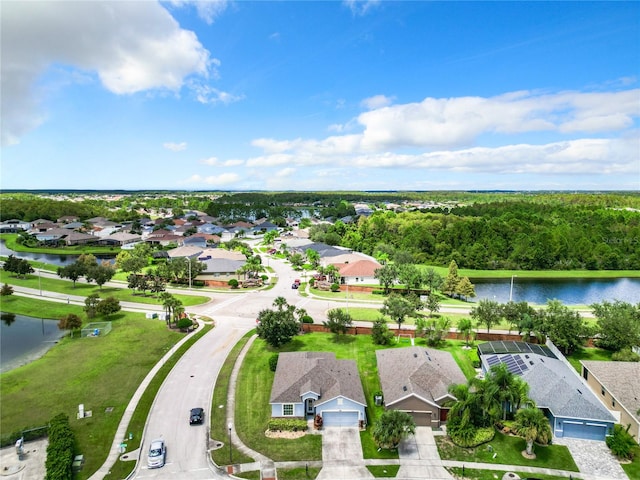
pixel 339 419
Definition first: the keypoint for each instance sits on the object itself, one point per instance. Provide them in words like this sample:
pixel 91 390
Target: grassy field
pixel 101 373
pixel 472 474
pixel 85 289
pixel 508 451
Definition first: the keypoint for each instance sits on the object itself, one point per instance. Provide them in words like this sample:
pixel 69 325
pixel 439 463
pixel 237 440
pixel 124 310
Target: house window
pixel 287 410
pixel 603 391
pixel 585 373
pixel 339 401
pixel 613 403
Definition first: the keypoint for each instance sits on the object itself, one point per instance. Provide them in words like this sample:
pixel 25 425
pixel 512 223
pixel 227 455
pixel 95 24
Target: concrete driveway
pixel 342 455
pixel 419 457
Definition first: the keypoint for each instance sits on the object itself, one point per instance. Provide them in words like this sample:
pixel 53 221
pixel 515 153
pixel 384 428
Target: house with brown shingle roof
pixel 617 384
pixel 316 383
pixel 416 380
pixel 359 272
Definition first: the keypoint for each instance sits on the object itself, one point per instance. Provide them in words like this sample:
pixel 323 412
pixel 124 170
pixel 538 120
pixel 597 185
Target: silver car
pixel 157 454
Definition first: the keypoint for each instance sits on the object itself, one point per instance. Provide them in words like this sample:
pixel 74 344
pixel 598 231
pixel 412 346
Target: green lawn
pixel 588 354
pixel 472 474
pixel 86 289
pixel 508 452
pixel 100 373
pixel 384 471
pixel 633 469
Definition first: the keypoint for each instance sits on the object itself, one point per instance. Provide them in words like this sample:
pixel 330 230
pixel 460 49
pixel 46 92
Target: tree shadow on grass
pixel 343 339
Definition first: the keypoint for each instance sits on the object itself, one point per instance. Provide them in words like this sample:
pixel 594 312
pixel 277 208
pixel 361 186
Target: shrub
pixel 287 425
pixel 335 287
pixel 306 319
pixel 273 362
pixel 470 436
pixel 621 443
pixel 60 449
pixel 184 323
pixel 625 355
pixel 233 283
pixel 312 281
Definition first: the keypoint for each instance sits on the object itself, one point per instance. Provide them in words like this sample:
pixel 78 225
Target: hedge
pixel 60 449
pixel 287 425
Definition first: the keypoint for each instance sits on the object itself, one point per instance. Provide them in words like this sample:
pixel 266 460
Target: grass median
pixel 65 287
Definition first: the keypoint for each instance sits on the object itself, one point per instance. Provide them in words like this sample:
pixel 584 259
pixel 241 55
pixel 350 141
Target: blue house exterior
pixel 315 383
pixel 556 388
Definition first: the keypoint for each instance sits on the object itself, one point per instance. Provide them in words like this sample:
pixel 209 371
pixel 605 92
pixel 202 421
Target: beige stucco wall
pixel 612 404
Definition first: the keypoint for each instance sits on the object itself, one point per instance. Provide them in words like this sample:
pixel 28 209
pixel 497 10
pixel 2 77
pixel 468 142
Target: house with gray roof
pixel 556 388
pixel 307 384
pixel 618 386
pixel 416 380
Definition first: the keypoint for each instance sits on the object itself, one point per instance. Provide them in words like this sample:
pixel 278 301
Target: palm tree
pixel 532 425
pixel 465 327
pixel 511 389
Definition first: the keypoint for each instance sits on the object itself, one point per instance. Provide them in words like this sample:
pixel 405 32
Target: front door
pixel 309 402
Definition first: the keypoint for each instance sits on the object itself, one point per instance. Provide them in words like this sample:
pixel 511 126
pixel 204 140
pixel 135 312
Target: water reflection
pixel 50 258
pixel 24 339
pixel 570 291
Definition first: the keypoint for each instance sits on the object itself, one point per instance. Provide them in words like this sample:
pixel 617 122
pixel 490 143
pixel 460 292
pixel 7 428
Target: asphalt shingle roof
pixel 621 379
pixel 319 372
pixel 418 371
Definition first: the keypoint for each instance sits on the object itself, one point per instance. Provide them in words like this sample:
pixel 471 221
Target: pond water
pixel 60 260
pixel 24 339
pixel 570 291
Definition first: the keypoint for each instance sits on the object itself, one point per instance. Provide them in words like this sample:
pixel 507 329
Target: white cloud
pixel 222 180
pixel 131 46
pixel 208 10
pixel 285 172
pixel 360 7
pixel 211 95
pixel 377 101
pixel 175 147
pixel 456 122
pixel 212 161
pixel 215 162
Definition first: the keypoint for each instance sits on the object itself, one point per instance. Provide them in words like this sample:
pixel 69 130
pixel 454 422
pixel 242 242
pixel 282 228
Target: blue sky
pixel 320 95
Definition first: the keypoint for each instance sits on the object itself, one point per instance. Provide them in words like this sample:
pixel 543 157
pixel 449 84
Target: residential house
pixel 416 380
pixel 120 239
pixel 14 226
pixel 618 386
pixel 307 384
pixel 556 388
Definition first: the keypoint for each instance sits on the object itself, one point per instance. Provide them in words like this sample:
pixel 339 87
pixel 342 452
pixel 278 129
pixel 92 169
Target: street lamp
pixel 511 289
pixel 40 282
pixel 189 260
pixel 230 457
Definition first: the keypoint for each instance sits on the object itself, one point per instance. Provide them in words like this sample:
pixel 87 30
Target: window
pixel 339 401
pixel 613 403
pixel 585 373
pixel 287 410
pixel 603 391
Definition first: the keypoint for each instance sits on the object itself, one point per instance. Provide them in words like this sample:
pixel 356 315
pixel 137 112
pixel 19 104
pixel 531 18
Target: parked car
pixel 295 285
pixel 197 416
pixel 157 454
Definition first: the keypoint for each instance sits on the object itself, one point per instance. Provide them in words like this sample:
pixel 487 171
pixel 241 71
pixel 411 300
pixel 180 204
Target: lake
pixel 24 339
pixel 570 291
pixel 53 259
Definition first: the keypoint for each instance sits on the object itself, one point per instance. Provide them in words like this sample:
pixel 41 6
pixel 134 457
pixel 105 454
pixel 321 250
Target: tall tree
pixel 91 304
pixel 618 324
pixel 380 333
pixel 487 312
pixel 338 321
pixel 71 322
pixel 387 275
pixel 277 327
pixel 452 280
pixel 73 272
pixel 398 308
pixel 565 327
pixel 466 329
pixel 465 288
pixel 511 389
pixel 100 274
pixel 410 275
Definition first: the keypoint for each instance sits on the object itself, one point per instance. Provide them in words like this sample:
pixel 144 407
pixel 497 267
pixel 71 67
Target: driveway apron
pixel 419 457
pixel 593 457
pixel 342 455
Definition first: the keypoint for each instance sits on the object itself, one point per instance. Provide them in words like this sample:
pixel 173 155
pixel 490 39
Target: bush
pixel 184 323
pixel 625 355
pixel 287 425
pixel 307 319
pixel 470 436
pixel 233 283
pixel 335 287
pixel 621 443
pixel 273 362
pixel 60 449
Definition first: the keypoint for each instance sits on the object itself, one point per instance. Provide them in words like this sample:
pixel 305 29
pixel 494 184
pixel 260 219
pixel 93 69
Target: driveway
pixel 342 455
pixel 593 457
pixel 419 457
